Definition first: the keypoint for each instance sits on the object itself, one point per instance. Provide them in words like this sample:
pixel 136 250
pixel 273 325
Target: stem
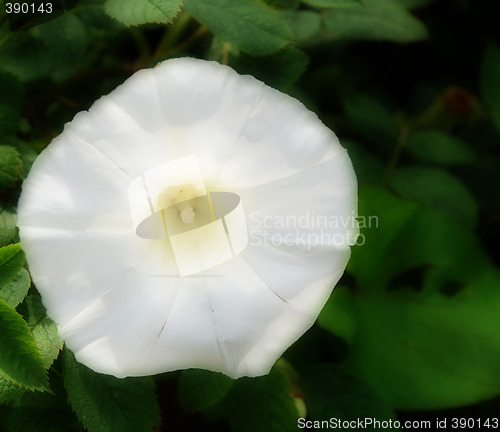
pixel 225 53
pixel 396 153
pixel 173 34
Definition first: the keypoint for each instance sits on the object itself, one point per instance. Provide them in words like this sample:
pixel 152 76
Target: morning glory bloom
pixel 192 218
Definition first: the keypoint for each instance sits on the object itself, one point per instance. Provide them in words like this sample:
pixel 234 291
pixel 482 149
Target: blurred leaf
pixel 438 190
pixel 372 120
pixel 7 225
pixel 417 347
pixel 284 4
pixel 10 165
pixel 336 316
pixel 303 23
pixel 414 4
pixel 375 20
pixel 333 3
pixel 367 168
pixel 490 81
pixel 11 261
pixel 279 71
pixel 25 57
pixel 65 37
pixel 20 360
pixel 332 393
pixel 262 403
pixel 11 92
pixel 9 391
pixel 44 330
pixel 9 119
pixel 200 389
pixel 432 145
pixel 27 154
pixel 104 403
pixel 14 291
pixel 133 12
pixel 39 412
pixel 255 27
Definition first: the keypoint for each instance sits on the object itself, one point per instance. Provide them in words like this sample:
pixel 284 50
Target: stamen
pixel 187 215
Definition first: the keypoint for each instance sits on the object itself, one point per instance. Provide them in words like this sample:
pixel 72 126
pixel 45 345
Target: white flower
pixel 193 218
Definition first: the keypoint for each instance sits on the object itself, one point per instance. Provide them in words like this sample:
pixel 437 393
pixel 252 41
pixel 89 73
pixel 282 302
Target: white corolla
pixel 192 218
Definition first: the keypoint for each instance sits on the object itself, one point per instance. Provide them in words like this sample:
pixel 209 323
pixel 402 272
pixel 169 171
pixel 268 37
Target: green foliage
pixel 262 403
pixel 438 190
pixel 20 359
pixel 14 291
pixel 332 393
pixel 333 3
pixel 132 12
pixel 490 79
pixel 303 23
pixel 435 146
pixel 279 71
pixel 413 325
pixel 414 4
pixel 10 166
pixel 11 262
pixel 400 319
pixel 254 27
pixel 7 225
pixel 375 20
pixel 104 403
pixel 37 412
pixel 371 119
pixel 44 330
pixel 200 389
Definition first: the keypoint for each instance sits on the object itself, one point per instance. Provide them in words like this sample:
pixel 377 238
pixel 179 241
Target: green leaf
pixel 436 146
pixel 44 330
pixel 200 389
pixel 303 23
pixel 367 168
pixel 262 403
pixel 7 225
pixel 415 4
pixel 9 391
pixel 383 20
pixel 64 37
pixel 279 71
pixel 27 154
pixel 25 57
pixel 20 360
pixel 10 165
pixel 11 92
pixel 104 403
pixel 133 12
pixel 256 28
pixel 438 190
pixel 39 412
pixel 372 120
pixel 11 261
pixel 490 81
pixel 336 316
pixel 333 3
pixel 427 342
pixel 332 393
pixel 14 291
pixel 9 119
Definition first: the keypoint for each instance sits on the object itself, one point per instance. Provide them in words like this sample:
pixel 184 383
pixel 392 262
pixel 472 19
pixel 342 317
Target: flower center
pixel 204 229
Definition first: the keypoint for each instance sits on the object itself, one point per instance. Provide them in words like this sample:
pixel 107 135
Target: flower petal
pixel 118 298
